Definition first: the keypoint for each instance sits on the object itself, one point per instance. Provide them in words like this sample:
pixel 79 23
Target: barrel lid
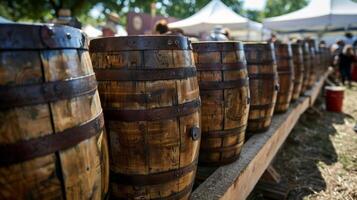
pixel 335 88
pixel 140 42
pixel 22 36
pixel 209 46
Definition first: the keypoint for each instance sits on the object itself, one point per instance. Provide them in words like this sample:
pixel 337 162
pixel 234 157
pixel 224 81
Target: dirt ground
pixel 319 158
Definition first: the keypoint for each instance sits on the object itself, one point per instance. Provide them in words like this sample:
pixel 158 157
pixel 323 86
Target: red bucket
pixel 334 98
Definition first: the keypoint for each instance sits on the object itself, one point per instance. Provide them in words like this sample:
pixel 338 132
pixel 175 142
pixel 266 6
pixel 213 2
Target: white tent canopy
pixel 213 14
pixel 3 20
pixel 318 15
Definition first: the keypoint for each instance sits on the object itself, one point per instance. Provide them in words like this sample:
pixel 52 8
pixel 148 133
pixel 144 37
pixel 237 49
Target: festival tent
pixel 3 20
pixel 215 14
pixel 318 15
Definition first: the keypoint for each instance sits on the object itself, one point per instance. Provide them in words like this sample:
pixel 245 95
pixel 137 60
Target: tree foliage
pixel 279 7
pixel 43 10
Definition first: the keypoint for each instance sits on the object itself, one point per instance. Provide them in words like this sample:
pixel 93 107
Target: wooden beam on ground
pixel 237 180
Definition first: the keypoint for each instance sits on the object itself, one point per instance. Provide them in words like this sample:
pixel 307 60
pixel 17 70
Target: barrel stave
pixel 159 77
pixel 285 67
pixel 263 83
pixel 77 172
pixel 222 76
pixel 299 70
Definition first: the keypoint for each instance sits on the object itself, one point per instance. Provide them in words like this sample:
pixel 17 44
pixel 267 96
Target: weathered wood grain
pixel 77 172
pixel 224 107
pixel 298 69
pixel 144 146
pixel 237 180
pixel 285 66
pixel 263 84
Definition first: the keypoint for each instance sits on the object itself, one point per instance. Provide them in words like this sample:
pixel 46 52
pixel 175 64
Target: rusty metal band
pixel 24 95
pixel 223 133
pixel 152 179
pixel 262 106
pixel 174 196
pixel 214 46
pixel 222 149
pixel 144 75
pixel 221 66
pixel 284 58
pixel 263 76
pixel 18 36
pixel 222 161
pixel 140 43
pixel 260 62
pixel 262 119
pixel 33 148
pixel 177 195
pixel 280 72
pixel 153 114
pixel 215 85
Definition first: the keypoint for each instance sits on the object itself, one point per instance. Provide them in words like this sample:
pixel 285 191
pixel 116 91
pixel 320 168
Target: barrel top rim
pixel 213 46
pixel 139 36
pixel 37 25
pixel 140 42
pixel 40 36
pixel 218 42
pixel 257 43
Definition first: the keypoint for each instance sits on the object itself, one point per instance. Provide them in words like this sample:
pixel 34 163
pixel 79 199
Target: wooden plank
pixel 237 180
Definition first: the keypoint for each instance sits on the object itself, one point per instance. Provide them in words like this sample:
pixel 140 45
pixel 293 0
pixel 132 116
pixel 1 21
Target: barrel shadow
pixel 308 145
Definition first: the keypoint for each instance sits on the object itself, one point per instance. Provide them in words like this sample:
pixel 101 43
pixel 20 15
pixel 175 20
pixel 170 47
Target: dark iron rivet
pixel 277 87
pixel 195 133
pixel 68 35
pixel 50 31
pixel 248 100
pixel 57 88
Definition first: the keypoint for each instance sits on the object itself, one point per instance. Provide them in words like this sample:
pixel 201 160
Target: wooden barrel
pixel 263 85
pixel 307 66
pixel 149 92
pixel 314 64
pixel 285 68
pixel 224 89
pixel 298 69
pixel 52 144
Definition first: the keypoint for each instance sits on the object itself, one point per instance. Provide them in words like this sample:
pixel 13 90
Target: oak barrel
pixel 224 89
pixel 286 74
pixel 307 66
pixel 314 64
pixel 263 84
pixel 52 144
pixel 298 69
pixel 149 92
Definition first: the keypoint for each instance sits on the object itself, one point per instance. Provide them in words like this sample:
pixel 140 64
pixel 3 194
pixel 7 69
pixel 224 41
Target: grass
pixel 319 158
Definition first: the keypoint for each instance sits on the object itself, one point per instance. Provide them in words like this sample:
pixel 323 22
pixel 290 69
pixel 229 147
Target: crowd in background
pixel 343 51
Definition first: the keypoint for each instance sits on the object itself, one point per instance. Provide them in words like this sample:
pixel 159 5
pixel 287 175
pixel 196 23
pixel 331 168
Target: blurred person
pixel 112 26
pixel 336 50
pixel 217 34
pixel 161 27
pixel 345 59
pixel 349 38
pixel 227 33
pixel 273 39
pixel 65 18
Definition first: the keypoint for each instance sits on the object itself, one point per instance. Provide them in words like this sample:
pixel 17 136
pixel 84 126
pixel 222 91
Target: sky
pixel 254 4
